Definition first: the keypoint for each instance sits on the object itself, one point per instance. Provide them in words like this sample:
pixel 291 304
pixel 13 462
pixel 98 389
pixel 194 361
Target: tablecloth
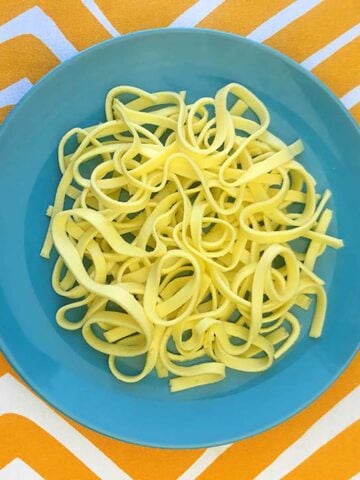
pixel 321 442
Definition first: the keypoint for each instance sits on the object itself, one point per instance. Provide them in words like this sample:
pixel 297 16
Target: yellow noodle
pixel 178 245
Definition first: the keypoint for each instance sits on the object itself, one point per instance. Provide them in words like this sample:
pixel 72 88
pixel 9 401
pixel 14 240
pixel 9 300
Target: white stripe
pixel 18 470
pixel 13 93
pixel 202 463
pixel 99 15
pixel 332 47
pixel 355 477
pixel 15 398
pixel 344 414
pixel 282 19
pixel 197 12
pixel 351 98
pixel 37 23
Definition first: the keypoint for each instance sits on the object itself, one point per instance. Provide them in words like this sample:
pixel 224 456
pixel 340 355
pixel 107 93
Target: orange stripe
pixel 254 454
pixel 24 56
pixel 341 72
pixel 4 365
pixel 71 16
pixel 242 16
pixel 14 8
pixel 339 459
pixel 3 113
pixel 314 30
pixel 355 111
pixel 39 450
pixel 130 15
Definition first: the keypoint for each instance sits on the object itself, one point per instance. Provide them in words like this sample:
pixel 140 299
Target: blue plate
pixel 58 364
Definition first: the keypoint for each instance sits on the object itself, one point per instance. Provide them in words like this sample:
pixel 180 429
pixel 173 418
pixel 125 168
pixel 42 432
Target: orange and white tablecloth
pixel 320 443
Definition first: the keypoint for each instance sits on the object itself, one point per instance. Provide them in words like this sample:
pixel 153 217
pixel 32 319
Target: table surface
pixel 322 441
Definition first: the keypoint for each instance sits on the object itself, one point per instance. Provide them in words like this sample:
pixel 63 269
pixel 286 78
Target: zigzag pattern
pixel 36 22
pixel 46 32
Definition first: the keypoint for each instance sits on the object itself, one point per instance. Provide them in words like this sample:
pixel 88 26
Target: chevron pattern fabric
pixel 321 442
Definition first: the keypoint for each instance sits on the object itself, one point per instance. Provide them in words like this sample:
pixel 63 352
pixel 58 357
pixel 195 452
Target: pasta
pixel 178 228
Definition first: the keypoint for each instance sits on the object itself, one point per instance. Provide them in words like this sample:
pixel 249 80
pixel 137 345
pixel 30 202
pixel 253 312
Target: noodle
pixel 178 243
